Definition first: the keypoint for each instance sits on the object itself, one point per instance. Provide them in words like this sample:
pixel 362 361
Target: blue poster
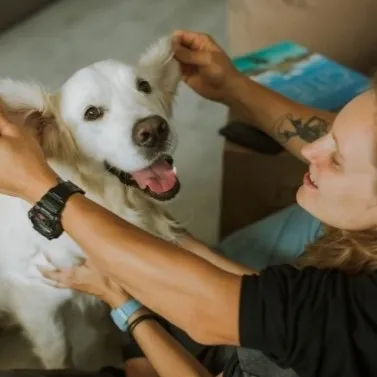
pixel 306 77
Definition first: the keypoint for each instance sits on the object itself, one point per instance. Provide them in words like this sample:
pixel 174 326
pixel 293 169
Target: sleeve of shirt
pixel 298 317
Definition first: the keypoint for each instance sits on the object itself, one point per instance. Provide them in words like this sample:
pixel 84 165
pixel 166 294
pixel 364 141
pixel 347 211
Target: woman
pixel 318 320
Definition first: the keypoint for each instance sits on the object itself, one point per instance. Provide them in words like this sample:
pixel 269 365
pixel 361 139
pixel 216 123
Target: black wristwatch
pixel 45 215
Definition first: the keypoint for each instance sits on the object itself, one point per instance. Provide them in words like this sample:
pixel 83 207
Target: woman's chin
pixel 306 199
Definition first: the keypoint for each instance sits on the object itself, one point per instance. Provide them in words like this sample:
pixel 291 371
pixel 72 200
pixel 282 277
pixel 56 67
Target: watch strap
pixel 54 200
pixel 46 213
pixel 121 314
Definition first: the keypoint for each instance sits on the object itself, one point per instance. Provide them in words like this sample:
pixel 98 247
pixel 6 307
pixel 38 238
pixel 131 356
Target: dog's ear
pixel 27 105
pixel 159 60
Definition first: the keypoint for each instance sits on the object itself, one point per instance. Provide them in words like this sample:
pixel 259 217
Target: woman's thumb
pixel 186 56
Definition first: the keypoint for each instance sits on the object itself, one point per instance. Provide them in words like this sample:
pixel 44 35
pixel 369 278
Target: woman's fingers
pixel 84 278
pixel 58 276
pixel 187 56
pixel 190 39
pixel 56 284
pixel 194 41
pixel 184 37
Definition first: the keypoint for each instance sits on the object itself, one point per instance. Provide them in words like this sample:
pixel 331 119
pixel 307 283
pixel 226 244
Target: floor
pixel 70 34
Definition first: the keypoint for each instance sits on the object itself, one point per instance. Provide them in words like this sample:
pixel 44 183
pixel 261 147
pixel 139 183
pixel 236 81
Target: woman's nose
pixel 318 150
pixel 309 151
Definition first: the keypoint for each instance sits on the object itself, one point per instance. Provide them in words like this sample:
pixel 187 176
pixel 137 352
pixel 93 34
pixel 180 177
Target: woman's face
pixel 341 186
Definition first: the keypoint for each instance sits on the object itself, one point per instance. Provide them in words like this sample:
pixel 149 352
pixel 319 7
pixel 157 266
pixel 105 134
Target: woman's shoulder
pixel 336 278
pixel 301 314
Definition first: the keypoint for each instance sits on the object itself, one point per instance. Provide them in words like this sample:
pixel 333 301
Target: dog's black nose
pixel 150 131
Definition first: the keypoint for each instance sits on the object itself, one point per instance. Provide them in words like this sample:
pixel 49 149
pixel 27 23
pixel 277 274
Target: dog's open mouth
pixel 158 180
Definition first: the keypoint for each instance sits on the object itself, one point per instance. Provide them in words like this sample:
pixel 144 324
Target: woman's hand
pixel 89 279
pixel 205 67
pixel 24 171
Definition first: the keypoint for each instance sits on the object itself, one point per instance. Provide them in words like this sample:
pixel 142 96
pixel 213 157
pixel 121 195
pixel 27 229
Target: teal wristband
pixel 122 314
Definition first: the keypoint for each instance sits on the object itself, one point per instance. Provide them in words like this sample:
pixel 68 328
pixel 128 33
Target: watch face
pixel 45 215
pixel 47 225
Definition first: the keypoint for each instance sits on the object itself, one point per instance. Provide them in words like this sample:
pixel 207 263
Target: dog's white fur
pixel 76 150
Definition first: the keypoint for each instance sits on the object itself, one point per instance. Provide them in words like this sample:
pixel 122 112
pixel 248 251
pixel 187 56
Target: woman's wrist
pixel 115 298
pixel 141 312
pixel 40 186
pixel 237 86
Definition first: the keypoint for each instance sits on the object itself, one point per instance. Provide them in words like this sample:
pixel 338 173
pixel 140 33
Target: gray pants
pixel 252 363
pixel 239 363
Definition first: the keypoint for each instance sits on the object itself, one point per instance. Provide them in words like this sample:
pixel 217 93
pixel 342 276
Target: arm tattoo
pixel 309 130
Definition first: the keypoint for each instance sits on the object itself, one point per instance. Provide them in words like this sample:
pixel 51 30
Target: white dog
pixel 107 129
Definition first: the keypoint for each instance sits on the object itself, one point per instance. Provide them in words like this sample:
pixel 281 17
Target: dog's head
pixel 113 113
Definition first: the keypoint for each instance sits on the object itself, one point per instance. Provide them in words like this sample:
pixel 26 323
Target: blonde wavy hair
pixel 349 251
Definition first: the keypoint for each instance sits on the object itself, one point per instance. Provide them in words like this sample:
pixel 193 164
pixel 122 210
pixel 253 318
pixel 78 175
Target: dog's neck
pixel 105 188
pixel 88 174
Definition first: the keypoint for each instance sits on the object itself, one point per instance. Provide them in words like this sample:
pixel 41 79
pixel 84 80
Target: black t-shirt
pixel 320 323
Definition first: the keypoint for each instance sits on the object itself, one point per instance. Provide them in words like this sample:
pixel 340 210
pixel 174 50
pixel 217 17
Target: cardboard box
pixel 343 30
pixel 255 184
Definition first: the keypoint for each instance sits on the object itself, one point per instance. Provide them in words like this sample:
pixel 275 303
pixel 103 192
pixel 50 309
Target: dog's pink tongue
pixel 159 177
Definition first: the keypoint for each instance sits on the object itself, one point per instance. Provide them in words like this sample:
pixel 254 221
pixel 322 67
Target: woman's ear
pixel 29 106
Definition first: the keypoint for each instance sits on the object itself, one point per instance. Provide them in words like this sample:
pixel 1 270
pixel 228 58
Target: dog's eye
pixel 143 86
pixel 93 113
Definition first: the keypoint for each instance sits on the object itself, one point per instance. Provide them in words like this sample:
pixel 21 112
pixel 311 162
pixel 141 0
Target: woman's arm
pixel 141 366
pixel 291 124
pixel 209 71
pixel 190 292
pixel 191 244
pixel 166 355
